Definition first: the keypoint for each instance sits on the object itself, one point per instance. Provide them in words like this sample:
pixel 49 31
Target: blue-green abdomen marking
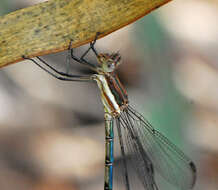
pixel 109 149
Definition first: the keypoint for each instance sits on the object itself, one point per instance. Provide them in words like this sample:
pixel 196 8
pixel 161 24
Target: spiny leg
pixel 52 68
pixel 68 57
pixel 93 43
pixel 82 59
pixel 91 47
pixel 63 76
pixel 79 60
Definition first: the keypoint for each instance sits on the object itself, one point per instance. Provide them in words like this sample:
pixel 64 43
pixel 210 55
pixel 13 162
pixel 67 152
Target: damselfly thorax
pixel 113 94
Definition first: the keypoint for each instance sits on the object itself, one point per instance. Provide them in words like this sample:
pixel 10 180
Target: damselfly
pixel 148 150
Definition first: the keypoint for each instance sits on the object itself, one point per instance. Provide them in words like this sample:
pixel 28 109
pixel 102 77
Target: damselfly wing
pixel 153 153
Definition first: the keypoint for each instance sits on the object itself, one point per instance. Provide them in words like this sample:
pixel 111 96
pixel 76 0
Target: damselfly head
pixel 108 62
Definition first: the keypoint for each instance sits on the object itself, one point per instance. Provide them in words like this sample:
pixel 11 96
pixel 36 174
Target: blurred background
pixel 52 132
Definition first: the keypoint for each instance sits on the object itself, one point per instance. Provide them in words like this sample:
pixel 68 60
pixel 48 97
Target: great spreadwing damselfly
pixel 148 151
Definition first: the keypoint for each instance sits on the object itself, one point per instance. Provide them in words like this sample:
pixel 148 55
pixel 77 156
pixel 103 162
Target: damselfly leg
pixel 82 59
pixel 58 74
pixel 65 76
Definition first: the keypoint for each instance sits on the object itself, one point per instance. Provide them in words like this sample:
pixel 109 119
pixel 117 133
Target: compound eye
pixel 111 66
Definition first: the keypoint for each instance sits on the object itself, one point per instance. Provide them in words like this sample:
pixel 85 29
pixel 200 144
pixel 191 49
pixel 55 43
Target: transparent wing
pixel 137 159
pixel 151 146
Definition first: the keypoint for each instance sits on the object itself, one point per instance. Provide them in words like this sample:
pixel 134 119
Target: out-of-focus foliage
pixel 52 132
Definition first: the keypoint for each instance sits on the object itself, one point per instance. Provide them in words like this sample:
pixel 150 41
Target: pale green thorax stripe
pixel 106 94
